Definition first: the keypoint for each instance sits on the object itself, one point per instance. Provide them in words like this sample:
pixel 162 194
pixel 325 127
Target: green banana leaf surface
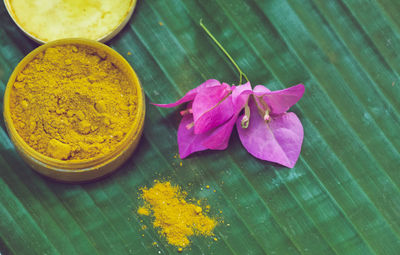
pixel 343 195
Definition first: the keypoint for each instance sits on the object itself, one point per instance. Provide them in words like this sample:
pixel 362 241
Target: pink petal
pixel 211 107
pixel 280 100
pixel 191 94
pixel 219 138
pixel 260 90
pixel 188 141
pixel 277 141
pixel 240 95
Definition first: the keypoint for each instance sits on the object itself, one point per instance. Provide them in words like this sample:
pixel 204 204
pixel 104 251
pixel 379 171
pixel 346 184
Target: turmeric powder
pixel 176 219
pixel 71 102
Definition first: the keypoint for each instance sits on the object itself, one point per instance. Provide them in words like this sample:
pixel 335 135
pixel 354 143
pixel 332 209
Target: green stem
pixel 226 53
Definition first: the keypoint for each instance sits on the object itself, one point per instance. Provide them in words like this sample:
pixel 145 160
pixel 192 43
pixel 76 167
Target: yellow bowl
pixel 78 170
pixel 44 20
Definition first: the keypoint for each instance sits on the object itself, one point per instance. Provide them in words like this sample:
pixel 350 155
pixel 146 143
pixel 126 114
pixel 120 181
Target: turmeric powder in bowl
pixel 74 101
pixel 71 102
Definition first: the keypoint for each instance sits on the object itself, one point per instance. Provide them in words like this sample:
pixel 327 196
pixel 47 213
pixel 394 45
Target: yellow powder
pixel 176 219
pixel 72 102
pixel 143 211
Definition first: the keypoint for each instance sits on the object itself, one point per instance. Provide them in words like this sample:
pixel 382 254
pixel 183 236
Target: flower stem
pixel 224 51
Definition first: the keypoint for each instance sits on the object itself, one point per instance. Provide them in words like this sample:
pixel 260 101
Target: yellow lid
pixel 45 20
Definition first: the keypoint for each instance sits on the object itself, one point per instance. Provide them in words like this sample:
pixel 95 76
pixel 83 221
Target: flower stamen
pixel 262 108
pixel 266 115
pixel 189 126
pixel 187 111
pixel 246 118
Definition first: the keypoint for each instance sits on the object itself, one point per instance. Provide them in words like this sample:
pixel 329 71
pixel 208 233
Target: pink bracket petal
pixel 278 140
pixel 188 141
pixel 191 94
pixel 280 100
pixel 212 106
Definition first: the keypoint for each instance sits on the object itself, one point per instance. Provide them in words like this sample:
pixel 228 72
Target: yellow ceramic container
pixel 78 170
pixel 45 20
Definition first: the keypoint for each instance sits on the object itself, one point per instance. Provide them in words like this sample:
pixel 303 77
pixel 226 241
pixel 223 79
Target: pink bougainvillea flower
pixel 272 133
pixel 266 129
pixel 210 116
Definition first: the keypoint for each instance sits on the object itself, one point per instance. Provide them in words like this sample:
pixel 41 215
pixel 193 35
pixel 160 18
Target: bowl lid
pixel 45 21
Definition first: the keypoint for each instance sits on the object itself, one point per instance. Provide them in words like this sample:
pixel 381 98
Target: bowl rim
pixel 131 136
pixel 103 38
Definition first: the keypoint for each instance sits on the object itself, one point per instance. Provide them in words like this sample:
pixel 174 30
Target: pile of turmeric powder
pixel 176 219
pixel 71 102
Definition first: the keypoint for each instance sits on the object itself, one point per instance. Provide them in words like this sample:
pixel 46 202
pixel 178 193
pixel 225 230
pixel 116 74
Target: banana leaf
pixel 343 195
